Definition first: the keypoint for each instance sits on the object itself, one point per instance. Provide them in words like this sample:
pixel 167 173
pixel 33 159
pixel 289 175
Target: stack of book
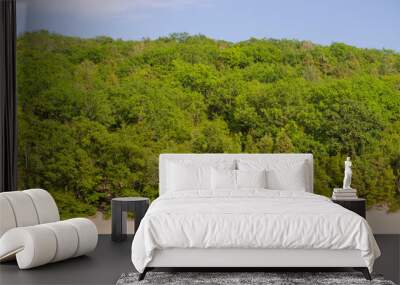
pixel 344 194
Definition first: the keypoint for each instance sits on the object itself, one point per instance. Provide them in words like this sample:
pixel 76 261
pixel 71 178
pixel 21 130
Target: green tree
pixel 94 114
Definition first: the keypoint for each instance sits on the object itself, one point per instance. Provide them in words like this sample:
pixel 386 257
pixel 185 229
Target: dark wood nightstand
pixel 357 205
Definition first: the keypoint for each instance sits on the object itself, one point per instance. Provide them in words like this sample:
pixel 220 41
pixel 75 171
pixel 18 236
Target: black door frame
pixel 8 97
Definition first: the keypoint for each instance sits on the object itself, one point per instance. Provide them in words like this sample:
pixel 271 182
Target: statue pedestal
pixel 344 194
pixel 349 190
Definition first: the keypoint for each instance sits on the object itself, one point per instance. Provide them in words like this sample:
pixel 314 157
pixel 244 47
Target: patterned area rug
pixel 269 278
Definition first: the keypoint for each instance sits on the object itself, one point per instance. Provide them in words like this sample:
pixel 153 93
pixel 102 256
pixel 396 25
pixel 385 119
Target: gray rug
pixel 269 278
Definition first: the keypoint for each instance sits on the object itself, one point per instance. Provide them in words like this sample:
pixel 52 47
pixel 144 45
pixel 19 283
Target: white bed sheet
pixel 251 218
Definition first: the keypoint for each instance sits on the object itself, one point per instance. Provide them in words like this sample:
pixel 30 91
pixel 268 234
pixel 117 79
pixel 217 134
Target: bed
pixel 247 210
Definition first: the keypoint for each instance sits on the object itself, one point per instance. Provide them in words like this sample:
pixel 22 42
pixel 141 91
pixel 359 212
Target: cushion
pixel 45 205
pixel 293 180
pixel 23 208
pixel 67 240
pixel 223 179
pixel 33 246
pixel 87 235
pixel 188 177
pixel 280 174
pixel 7 218
pixel 251 178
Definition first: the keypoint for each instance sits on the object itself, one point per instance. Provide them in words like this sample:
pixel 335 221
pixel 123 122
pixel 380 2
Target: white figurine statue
pixel 347 174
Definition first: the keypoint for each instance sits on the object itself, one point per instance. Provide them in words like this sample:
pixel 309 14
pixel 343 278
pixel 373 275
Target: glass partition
pixel 104 87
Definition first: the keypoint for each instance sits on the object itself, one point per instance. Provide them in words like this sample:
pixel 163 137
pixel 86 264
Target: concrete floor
pixel 111 259
pixel 103 266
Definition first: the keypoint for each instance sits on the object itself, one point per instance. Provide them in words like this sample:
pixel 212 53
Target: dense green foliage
pixel 94 114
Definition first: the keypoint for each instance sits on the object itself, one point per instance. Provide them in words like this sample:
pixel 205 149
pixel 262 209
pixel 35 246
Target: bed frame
pixel 242 259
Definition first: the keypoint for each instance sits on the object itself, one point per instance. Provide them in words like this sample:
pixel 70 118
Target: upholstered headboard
pixel 230 161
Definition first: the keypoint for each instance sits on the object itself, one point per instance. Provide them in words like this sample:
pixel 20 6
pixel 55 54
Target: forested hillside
pixel 94 114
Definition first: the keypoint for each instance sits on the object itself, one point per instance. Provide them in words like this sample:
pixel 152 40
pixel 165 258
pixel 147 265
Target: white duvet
pixel 250 219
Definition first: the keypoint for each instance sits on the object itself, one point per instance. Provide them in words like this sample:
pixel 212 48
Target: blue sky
pixel 362 23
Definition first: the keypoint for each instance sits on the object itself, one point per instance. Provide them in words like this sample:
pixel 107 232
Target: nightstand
pixel 357 205
pixel 119 209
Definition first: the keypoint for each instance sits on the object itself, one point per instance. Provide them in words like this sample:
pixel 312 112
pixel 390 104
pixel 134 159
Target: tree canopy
pixel 94 114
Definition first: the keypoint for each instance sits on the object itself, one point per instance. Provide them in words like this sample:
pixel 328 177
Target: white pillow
pixel 293 180
pixel 281 174
pixel 188 177
pixel 251 178
pixel 224 179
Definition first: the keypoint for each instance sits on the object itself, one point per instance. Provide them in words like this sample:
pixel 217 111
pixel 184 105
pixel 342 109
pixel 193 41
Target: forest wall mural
pixel 94 113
